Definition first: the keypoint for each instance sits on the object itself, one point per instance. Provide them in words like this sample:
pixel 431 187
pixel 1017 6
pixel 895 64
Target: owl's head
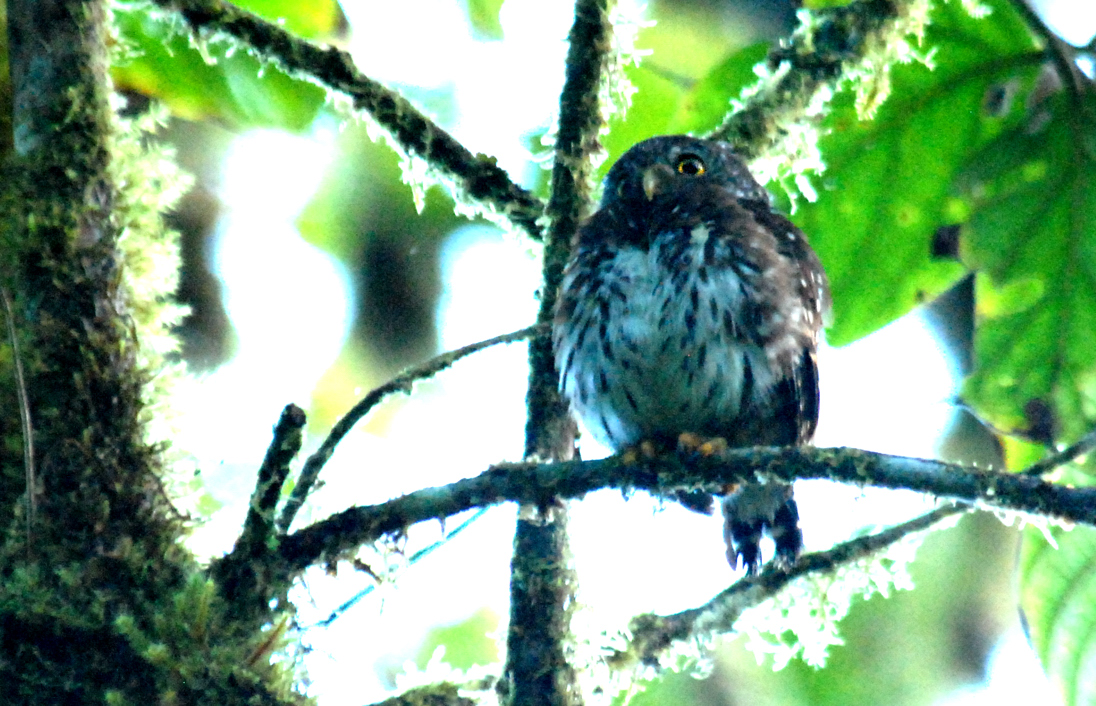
pixel 659 168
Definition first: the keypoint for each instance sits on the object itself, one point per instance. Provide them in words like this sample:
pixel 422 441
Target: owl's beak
pixel 656 180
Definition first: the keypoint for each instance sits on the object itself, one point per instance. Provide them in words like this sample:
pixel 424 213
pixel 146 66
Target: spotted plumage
pixel 689 305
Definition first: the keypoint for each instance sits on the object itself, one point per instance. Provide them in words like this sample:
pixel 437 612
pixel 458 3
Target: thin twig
pixel 539 484
pixel 474 178
pixel 240 575
pixel 1060 53
pixel 1083 445
pixel 411 561
pixel 401 383
pixel 24 414
pixel 652 635
pixel 259 523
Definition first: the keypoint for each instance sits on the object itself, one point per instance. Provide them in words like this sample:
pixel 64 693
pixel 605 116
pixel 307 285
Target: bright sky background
pixel 290 305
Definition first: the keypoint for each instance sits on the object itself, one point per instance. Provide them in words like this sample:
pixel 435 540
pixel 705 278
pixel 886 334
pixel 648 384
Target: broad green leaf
pixel 1032 196
pixel 235 89
pixel 705 105
pixel 886 187
pixel 1058 597
pixel 484 18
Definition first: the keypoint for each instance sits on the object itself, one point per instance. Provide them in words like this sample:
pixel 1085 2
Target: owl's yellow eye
pixel 690 165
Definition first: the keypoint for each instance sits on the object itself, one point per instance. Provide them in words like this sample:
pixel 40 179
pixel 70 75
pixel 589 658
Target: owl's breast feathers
pixel 694 311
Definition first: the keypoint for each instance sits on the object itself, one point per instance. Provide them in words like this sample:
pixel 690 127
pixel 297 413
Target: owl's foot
pixel 751 510
pixel 695 500
pixel 644 449
pixel 695 443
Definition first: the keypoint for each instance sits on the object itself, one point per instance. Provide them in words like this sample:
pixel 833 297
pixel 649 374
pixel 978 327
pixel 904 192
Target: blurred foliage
pixel 200 81
pixel 1032 230
pixel 704 106
pixel 484 17
pixel 316 19
pixel 466 643
pixel 364 215
pixel 1058 597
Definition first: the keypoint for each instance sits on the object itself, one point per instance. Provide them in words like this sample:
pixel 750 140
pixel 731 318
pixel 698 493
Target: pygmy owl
pixel 690 306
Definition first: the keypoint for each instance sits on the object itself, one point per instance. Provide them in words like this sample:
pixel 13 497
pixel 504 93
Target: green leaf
pixel 657 97
pixel 315 19
pixel 1033 226
pixel 235 89
pixel 887 185
pixel 484 17
pixel 820 4
pixel 705 105
pixel 1058 598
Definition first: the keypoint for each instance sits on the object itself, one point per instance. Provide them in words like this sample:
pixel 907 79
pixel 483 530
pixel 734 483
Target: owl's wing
pixel 806 393
pixel 794 414
pixel 792 244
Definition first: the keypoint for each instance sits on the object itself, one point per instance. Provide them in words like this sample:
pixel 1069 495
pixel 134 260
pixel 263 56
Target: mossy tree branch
pixel 473 178
pixel 652 636
pixel 833 46
pixel 542 580
pixel 99 489
pixel 539 483
pixel 242 574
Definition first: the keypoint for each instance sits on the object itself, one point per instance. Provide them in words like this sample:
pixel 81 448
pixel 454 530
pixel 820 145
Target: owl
pixel 690 307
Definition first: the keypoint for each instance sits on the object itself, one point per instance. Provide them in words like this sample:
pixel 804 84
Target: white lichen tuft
pixel 871 78
pixel 795 153
pixel 627 18
pixel 802 620
pixel 799 621
pixel 976 9
pixel 477 682
pixel 594 642
pixel 1023 520
pixel 420 175
pixel 150 183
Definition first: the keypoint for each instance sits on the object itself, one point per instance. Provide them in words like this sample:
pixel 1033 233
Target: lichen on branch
pixel 774 123
pixel 478 185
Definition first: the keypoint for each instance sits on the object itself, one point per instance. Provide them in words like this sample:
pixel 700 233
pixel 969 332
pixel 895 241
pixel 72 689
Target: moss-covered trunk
pixel 99 601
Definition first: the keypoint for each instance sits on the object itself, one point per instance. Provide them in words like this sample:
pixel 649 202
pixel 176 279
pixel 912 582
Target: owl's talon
pixel 753 511
pixel 632 454
pixel 713 447
pixel 689 442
